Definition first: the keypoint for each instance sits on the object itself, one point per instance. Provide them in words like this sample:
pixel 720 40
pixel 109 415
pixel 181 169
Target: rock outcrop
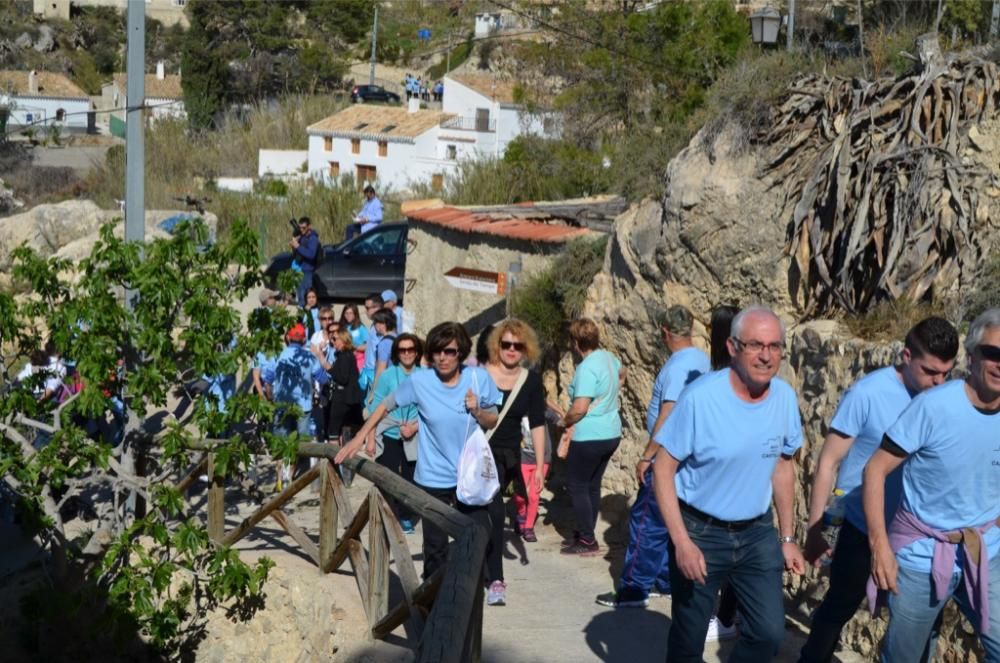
pixel 69 229
pixel 718 237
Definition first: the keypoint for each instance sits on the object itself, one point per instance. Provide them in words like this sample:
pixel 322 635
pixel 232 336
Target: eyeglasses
pixel 448 352
pixel 408 350
pixel 512 345
pixel 756 347
pixel 989 352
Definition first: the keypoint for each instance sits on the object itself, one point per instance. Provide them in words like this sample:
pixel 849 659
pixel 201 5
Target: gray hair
pixel 988 318
pixel 736 328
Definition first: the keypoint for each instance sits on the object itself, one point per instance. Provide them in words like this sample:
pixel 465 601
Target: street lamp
pixel 764 24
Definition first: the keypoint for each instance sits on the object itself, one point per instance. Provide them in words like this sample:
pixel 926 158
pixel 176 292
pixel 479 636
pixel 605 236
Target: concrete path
pixel 550 614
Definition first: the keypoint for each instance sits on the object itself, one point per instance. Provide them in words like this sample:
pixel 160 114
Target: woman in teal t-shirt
pixel 593 430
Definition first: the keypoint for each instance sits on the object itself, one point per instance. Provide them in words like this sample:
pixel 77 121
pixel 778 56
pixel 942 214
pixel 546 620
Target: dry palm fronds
pixel 883 202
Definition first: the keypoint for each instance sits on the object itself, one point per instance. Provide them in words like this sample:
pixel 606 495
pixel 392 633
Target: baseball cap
pixel 678 320
pixel 266 295
pixel 297 334
pixel 389 296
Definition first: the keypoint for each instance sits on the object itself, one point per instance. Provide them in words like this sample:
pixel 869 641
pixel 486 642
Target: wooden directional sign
pixel 494 283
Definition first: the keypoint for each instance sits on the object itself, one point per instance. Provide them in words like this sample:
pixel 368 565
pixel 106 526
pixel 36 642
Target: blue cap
pixel 389 296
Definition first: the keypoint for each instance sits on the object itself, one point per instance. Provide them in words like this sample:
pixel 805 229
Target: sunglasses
pixel 990 352
pixel 448 352
pixel 512 345
pixel 409 350
pixel 326 317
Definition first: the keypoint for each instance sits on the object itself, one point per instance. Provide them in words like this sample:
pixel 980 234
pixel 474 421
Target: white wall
pixel 237 184
pixel 44 109
pixel 164 108
pixel 277 163
pixel 395 171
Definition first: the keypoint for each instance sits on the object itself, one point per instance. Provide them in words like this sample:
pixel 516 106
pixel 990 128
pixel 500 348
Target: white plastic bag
pixel 478 482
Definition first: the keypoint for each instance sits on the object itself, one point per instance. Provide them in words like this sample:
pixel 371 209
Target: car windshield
pixel 378 244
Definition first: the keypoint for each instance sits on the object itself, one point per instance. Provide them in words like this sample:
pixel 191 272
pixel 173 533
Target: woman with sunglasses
pixel 450 400
pixel 593 430
pixel 511 345
pixel 399 430
pixel 343 393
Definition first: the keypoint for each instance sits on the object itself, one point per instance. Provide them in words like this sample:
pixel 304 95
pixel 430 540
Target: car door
pixel 370 263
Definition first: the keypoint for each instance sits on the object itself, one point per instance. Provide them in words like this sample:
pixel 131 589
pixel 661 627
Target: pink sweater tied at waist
pixel 906 528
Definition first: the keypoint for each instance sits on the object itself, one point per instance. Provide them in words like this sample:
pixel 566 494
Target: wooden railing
pixel 445 609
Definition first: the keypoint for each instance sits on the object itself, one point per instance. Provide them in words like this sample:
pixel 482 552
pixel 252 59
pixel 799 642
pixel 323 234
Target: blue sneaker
pixel 407 526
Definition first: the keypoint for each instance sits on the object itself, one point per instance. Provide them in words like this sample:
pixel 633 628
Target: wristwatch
pixel 787 539
pixel 645 460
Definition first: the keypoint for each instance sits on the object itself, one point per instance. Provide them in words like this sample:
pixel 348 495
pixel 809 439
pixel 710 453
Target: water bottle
pixel 833 518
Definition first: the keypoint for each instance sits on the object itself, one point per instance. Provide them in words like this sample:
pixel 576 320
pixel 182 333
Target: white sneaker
pixel 719 631
pixel 497 594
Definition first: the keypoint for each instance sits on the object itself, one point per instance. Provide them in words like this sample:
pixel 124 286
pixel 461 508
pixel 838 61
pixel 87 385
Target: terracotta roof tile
pixel 532 225
pixel 491 87
pixel 167 88
pixel 378 122
pixel 50 84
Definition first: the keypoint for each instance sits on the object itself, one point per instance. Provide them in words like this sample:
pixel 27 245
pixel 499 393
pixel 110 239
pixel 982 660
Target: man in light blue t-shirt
pixel 726 448
pixel 943 541
pixel 646 572
pixel 866 410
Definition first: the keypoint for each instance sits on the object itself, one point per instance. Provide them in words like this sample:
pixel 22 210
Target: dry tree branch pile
pixel 885 206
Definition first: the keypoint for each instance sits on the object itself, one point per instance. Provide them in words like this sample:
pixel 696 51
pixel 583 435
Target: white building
pixel 167 12
pixel 400 146
pixel 42 99
pixel 391 145
pixel 164 98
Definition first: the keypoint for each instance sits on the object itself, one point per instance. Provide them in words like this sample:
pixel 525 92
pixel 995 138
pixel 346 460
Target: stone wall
pixel 432 299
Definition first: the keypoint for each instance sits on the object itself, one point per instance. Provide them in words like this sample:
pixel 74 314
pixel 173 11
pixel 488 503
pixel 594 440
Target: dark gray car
pixel 351 270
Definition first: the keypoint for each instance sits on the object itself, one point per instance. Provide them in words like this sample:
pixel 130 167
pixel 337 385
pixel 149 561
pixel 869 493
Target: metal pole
pixel 135 70
pixel 995 20
pixel 791 23
pixel 447 65
pixel 371 73
pixel 135 204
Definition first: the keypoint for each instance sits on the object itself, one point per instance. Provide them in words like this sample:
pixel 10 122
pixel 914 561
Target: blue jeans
pixel 915 609
pixel 751 561
pixel 286 424
pixel 646 557
pixel 304 285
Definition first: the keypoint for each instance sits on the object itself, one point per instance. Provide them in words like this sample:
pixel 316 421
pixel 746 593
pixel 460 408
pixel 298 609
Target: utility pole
pixel 135 70
pixel 135 203
pixel 371 73
pixel 995 20
pixel 791 23
pixel 447 57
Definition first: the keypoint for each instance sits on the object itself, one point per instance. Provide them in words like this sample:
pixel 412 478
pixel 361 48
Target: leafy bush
pixel 272 187
pixel 551 299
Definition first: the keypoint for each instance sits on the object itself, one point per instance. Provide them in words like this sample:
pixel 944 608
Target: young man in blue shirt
pixel 866 410
pixel 295 369
pixel 727 448
pixel 646 571
pixel 949 437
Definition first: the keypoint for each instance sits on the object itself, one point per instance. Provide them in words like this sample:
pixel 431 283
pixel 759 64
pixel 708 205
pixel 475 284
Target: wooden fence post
pixel 216 501
pixel 327 517
pixel 378 563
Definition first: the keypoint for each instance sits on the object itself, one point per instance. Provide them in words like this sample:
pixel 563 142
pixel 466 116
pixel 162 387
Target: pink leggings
pixel 528 509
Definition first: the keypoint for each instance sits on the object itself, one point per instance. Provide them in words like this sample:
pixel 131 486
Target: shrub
pixel 271 187
pixel 549 300
pixel 890 320
pixel 987 292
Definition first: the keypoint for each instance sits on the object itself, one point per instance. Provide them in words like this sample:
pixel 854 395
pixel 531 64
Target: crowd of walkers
pixel 911 462
pixel 904 505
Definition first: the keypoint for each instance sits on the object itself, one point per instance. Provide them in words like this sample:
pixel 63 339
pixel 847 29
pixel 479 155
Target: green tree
pixel 206 75
pixel 154 573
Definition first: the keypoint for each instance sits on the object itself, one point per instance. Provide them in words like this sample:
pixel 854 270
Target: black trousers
pixel 508 468
pixel 394 457
pixel 435 548
pixel 585 469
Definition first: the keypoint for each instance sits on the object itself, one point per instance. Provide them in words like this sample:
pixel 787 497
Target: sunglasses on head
pixel 448 352
pixel 990 352
pixel 512 345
